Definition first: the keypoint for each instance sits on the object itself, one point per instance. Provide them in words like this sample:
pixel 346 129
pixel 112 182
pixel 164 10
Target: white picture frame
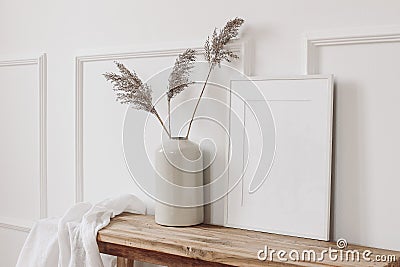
pixel 292 195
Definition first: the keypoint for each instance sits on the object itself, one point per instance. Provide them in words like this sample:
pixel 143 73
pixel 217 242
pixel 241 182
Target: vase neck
pixel 178 138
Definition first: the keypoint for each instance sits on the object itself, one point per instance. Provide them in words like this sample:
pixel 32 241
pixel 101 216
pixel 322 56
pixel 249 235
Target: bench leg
pixel 123 262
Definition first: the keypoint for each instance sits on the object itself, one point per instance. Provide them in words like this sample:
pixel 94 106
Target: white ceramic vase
pixel 179 181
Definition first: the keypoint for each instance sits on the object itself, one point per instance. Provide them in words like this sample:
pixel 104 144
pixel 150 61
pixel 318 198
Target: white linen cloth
pixel 71 240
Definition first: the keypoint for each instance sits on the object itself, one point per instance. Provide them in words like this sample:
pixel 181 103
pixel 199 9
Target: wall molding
pixel 313 41
pixel 240 47
pixel 14 224
pixel 41 63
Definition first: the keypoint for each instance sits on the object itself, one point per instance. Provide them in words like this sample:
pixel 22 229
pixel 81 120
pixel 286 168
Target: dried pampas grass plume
pixel 215 50
pixel 131 90
pixel 179 79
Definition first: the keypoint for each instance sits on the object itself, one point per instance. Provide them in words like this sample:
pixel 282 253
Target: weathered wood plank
pixel 139 237
pixel 153 256
pixel 124 262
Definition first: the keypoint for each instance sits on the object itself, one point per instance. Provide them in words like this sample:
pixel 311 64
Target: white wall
pixel 66 29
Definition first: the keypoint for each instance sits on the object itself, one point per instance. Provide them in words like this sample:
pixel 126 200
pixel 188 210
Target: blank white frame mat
pixel 280 155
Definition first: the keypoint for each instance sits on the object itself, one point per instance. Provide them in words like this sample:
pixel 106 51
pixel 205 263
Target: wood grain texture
pixel 124 262
pixel 150 256
pixel 138 237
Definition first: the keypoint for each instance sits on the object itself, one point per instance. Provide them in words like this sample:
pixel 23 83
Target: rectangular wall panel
pixel 22 142
pixel 101 164
pixel 367 144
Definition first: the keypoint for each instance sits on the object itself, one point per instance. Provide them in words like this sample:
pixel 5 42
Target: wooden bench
pixel 138 237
